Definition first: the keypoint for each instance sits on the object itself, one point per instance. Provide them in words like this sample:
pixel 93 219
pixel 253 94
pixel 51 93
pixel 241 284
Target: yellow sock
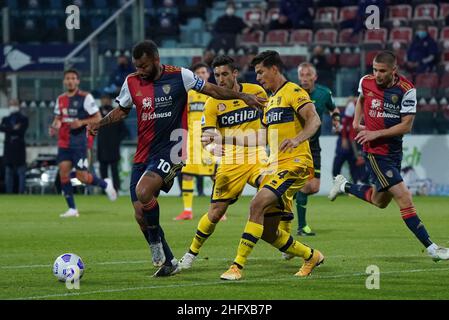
pixel 205 229
pixel 187 194
pixel 252 233
pixel 286 226
pixel 285 243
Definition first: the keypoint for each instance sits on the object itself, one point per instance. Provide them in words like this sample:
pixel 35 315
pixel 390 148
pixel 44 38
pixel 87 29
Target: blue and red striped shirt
pixel 161 107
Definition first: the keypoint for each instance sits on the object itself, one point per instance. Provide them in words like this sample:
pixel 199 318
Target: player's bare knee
pixel 144 194
pixel 216 212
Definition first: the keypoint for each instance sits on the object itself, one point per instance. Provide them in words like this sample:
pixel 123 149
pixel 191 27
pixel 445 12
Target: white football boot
pixel 337 187
pixel 70 213
pixel 110 191
pixel 187 261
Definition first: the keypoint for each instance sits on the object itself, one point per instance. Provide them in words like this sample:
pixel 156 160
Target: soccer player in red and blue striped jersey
pixel 387 103
pixel 74 110
pixel 159 93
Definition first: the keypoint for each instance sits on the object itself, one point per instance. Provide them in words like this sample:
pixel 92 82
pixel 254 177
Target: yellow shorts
pixel 285 180
pixel 199 162
pixel 230 180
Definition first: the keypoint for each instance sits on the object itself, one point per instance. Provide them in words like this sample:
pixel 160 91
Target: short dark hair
pixel 224 61
pixel 199 65
pixel 72 70
pixel 147 47
pixel 386 57
pixel 268 58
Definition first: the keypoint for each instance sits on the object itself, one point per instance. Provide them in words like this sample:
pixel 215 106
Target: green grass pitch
pixel 351 234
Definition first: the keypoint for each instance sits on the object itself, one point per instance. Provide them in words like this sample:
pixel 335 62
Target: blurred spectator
pixel 248 72
pixel 422 55
pixel 124 68
pixel 323 68
pixel 294 14
pixel 14 127
pixel 109 140
pixel 226 29
pixel 347 149
pixel 358 23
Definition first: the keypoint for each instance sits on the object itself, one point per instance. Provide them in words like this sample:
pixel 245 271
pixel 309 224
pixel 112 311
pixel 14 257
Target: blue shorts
pixel 78 157
pixel 385 172
pixel 162 166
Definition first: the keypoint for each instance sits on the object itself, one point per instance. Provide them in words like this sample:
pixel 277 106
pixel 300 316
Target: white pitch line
pixel 220 282
pixel 31 266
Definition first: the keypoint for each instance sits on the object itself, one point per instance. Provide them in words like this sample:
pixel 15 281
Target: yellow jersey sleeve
pixel 298 98
pixel 209 119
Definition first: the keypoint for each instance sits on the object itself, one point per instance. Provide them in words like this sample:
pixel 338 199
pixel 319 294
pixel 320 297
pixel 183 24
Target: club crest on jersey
pixel 278 102
pixel 221 107
pixel 166 88
pixel 139 93
pixel 147 103
pixel 75 104
pixel 394 98
pixel 389 174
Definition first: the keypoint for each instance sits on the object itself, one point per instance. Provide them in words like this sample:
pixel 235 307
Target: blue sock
pixel 415 225
pixel 95 181
pixel 67 191
pixel 361 191
pixel 168 253
pixel 151 216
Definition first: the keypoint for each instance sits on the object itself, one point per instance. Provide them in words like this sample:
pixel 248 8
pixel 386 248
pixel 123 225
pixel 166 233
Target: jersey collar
pixel 274 93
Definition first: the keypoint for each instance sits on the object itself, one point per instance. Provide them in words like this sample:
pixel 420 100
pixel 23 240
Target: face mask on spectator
pixel 421 34
pixel 230 11
pixel 13 109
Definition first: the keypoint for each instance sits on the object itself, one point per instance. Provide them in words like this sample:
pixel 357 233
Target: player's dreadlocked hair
pixel 224 61
pixel 386 57
pixel 147 47
pixel 268 58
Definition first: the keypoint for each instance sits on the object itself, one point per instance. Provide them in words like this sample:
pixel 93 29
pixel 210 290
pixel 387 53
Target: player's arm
pixel 405 126
pixel 358 114
pixel 116 115
pixel 222 93
pixel 253 139
pixel 312 123
pixel 408 111
pixel 125 103
pixel 78 123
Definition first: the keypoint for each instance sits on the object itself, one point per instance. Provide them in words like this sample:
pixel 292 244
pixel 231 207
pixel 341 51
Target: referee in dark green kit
pixel 321 97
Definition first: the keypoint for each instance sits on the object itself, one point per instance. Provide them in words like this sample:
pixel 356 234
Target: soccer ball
pixel 62 266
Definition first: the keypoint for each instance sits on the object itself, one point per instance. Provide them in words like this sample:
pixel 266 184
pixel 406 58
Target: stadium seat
pixel 444 10
pixel 426 11
pixel 348 13
pixel 400 56
pixel 326 36
pixel 301 37
pixel 399 12
pixel 369 57
pixel 253 38
pixel 254 17
pixel 443 90
pixel 433 32
pixel 375 37
pixel 403 35
pixel 426 84
pixel 345 37
pixel 293 61
pixel 349 60
pixel 277 37
pixel 444 34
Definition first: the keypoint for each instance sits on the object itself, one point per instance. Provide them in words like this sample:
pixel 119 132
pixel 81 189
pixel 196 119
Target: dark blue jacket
pixel 14 127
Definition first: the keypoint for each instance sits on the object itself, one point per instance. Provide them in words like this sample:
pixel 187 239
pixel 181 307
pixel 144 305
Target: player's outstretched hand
pixel 255 101
pixel 288 145
pixel 92 128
